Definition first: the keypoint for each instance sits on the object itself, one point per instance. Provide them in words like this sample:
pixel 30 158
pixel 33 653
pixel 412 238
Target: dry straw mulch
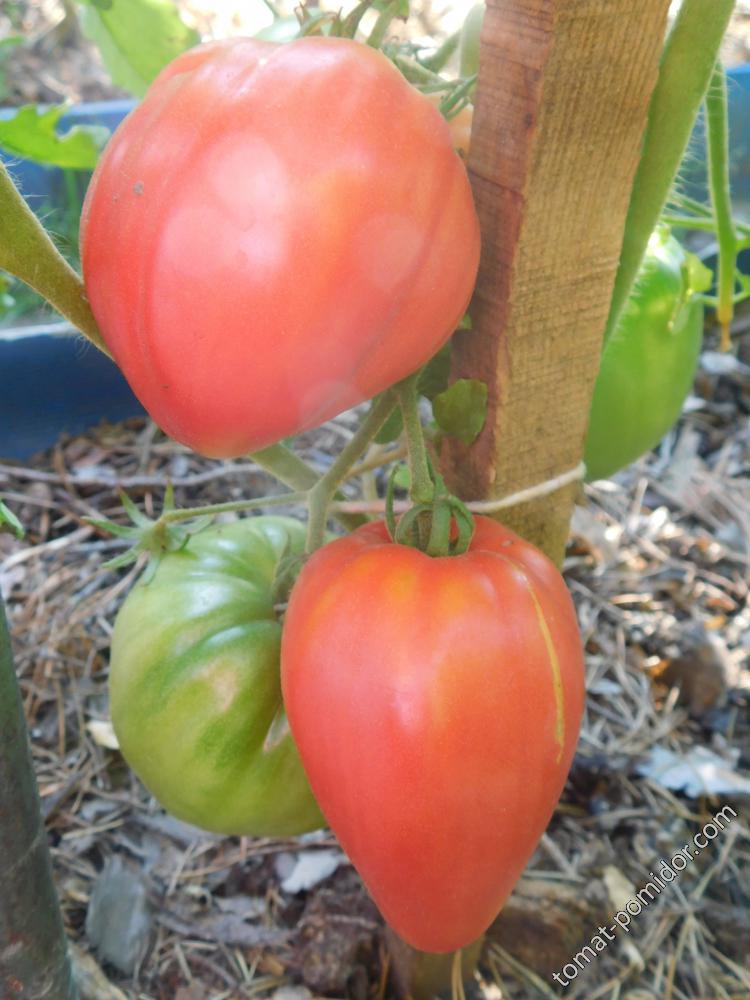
pixel 659 567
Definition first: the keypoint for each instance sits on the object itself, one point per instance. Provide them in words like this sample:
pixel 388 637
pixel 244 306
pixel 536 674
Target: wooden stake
pixel 562 102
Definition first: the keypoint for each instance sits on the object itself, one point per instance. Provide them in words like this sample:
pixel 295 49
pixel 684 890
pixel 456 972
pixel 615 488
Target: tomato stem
pixel 377 461
pixel 684 74
pixel 27 252
pixel 350 24
pixel 687 204
pixel 422 485
pixel 717 136
pixel 428 525
pixel 442 54
pixel 295 473
pixel 689 222
pixel 458 98
pixel 383 23
pixel 287 467
pixel 474 506
pixel 416 72
pixel 322 493
pixel 212 509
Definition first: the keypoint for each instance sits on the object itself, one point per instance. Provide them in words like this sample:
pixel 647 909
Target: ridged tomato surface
pixel 436 705
pixel 194 684
pixel 276 233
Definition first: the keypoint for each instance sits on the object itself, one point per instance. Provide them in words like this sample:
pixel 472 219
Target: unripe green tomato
pixel 468 47
pixel 194 684
pixel 649 362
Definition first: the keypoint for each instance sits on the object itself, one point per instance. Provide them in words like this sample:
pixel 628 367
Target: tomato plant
pixel 648 364
pixel 436 703
pixel 194 684
pixel 277 233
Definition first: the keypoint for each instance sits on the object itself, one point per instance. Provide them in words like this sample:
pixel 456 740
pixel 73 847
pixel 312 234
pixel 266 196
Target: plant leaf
pixel 433 379
pixel 392 428
pixel 462 409
pixel 31 134
pixel 9 521
pixel 136 38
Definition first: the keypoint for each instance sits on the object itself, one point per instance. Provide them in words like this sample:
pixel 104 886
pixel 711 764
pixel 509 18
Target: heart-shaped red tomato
pixel 436 705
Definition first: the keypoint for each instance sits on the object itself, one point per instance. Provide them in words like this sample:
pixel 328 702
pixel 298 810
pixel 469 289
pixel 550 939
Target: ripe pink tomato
pixel 275 234
pixel 436 705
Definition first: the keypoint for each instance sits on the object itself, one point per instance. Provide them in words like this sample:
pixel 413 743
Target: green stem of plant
pixel 294 472
pixel 415 72
pixel 33 951
pixel 350 24
pixel 459 97
pixel 287 467
pixel 422 486
pixel 379 461
pixel 717 139
pixel 253 503
pixel 442 54
pixel 687 204
pixel 321 495
pixel 383 23
pixel 684 74
pixel 27 252
pixel 689 222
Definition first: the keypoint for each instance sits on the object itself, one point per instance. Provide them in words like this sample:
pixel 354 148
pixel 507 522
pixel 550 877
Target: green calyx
pixel 151 537
pixel 429 526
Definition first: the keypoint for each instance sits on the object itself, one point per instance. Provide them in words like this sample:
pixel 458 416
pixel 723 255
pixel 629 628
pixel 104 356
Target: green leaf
pixel 136 38
pixel 433 379
pixel 462 409
pixel 9 521
pixel 31 134
pixel 391 429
